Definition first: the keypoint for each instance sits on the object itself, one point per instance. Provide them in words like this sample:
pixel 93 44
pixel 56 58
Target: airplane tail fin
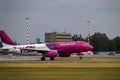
pixel 5 39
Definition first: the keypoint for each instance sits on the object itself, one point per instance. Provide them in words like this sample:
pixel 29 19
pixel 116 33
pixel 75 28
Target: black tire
pixel 52 58
pixel 42 58
pixel 80 57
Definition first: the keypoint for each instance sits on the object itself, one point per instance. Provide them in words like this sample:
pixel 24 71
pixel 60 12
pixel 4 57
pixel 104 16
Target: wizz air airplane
pixel 51 50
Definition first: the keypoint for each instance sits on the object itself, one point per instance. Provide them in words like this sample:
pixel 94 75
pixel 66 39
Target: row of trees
pixel 101 42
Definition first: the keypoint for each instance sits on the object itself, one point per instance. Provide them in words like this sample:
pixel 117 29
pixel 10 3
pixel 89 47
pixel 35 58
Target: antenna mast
pixel 27 33
pixel 88 31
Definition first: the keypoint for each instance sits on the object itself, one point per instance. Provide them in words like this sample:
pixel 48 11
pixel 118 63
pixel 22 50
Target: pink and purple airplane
pixel 51 50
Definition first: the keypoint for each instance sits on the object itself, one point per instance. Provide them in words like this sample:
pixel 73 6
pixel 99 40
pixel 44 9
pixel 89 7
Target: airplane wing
pixel 33 50
pixel 4 49
pixel 29 52
pixel 5 52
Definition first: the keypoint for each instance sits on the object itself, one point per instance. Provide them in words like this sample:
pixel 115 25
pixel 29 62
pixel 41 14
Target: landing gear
pixel 81 56
pixel 51 58
pixel 43 58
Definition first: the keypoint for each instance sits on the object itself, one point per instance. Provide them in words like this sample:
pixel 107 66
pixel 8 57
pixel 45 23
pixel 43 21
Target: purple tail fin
pixel 5 38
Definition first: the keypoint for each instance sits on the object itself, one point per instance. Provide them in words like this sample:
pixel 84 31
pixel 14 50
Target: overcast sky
pixel 59 15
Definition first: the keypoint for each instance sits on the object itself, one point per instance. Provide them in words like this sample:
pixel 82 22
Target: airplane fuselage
pixel 60 47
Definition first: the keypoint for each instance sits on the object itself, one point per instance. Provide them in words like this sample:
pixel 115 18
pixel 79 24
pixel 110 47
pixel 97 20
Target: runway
pixel 11 58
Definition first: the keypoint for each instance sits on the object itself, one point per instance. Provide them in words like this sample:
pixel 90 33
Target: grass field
pixel 62 70
pixel 60 73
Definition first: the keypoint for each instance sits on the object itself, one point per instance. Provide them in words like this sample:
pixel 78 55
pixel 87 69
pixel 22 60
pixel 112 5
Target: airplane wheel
pixel 51 58
pixel 42 58
pixel 80 57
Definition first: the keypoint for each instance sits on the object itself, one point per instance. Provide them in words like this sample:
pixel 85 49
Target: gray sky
pixel 59 15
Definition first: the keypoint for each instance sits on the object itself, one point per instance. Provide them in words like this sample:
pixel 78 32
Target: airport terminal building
pixel 57 37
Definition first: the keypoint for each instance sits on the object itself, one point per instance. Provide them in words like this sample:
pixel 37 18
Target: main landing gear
pixel 43 58
pixel 51 58
pixel 80 56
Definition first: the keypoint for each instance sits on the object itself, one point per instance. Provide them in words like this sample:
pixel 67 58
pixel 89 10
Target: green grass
pixel 60 73
pixel 46 70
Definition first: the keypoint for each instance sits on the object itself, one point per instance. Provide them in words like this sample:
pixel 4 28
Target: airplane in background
pixel 51 50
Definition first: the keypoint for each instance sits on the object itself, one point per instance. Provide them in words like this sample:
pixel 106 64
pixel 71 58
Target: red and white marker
pixel 27 34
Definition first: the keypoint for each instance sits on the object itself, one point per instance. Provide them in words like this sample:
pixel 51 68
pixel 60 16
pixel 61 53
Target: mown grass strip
pixel 58 73
pixel 59 64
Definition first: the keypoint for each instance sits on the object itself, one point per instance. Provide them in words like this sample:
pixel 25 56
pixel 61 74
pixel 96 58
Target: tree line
pixel 100 41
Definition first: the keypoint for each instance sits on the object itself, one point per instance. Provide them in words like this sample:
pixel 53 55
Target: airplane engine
pixel 52 53
pixel 64 55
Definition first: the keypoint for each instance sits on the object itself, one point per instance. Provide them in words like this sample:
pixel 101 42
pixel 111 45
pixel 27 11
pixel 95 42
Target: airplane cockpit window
pixel 86 44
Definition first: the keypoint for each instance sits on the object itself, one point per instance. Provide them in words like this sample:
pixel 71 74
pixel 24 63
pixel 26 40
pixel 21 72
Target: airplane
pixel 51 50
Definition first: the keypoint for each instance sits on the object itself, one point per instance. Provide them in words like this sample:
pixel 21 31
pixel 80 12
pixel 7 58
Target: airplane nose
pixel 90 47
